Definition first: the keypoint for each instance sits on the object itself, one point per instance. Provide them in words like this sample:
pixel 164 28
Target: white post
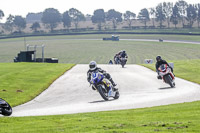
pixel 27 47
pixel 42 53
pixel 35 47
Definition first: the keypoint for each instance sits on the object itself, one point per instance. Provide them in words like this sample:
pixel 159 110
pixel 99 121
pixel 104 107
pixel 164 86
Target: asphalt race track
pixel 138 87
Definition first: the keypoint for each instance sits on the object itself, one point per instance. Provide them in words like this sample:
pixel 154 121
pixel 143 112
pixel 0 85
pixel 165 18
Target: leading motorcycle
pixel 5 108
pixel 103 86
pixel 167 75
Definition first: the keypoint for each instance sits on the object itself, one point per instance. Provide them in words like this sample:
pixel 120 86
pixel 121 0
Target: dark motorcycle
pixel 103 86
pixel 167 75
pixel 5 108
pixel 117 60
pixel 123 61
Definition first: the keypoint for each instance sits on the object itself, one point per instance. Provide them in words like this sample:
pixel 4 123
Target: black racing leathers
pixel 123 55
pixel 107 75
pixel 89 73
pixel 159 63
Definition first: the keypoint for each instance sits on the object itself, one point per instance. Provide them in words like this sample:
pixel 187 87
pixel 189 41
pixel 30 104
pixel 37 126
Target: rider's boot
pixel 93 88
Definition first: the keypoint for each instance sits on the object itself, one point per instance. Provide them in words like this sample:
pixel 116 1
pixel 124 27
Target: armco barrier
pixel 106 32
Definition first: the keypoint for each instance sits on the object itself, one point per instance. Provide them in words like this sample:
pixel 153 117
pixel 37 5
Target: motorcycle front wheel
pixel 103 93
pixel 123 64
pixel 116 95
pixel 170 81
pixel 6 109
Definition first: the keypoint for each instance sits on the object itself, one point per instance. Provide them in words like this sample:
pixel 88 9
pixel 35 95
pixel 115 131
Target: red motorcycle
pixel 166 74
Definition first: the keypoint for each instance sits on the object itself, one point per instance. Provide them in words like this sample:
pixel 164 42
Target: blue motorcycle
pixel 103 86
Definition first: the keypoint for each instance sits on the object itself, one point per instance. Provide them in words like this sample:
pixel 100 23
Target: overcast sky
pixel 23 7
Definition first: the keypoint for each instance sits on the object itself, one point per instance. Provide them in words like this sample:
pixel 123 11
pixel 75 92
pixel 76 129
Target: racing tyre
pixel 103 93
pixel 123 64
pixel 5 108
pixel 169 81
pixel 116 95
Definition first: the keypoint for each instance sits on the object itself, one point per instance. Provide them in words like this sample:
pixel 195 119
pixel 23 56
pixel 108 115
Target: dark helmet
pixel 158 58
pixel 93 65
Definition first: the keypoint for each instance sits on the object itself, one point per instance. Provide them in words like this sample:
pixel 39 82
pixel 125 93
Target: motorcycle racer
pixel 117 58
pixel 159 62
pixel 93 68
pixel 123 54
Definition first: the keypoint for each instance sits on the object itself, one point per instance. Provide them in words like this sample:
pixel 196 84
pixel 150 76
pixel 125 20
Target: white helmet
pixel 93 65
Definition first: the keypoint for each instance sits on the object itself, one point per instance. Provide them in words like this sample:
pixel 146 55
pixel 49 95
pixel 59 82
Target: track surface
pixel 138 87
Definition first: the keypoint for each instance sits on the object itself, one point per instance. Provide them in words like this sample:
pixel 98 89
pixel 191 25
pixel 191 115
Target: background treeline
pixel 165 15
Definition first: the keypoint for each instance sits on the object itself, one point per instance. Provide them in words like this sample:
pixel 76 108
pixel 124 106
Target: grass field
pixel 173 118
pixel 17 87
pixel 21 82
pixel 70 49
pixel 176 118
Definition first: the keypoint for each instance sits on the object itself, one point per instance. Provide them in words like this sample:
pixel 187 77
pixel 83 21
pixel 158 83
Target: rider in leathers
pixel 123 54
pixel 93 68
pixel 159 62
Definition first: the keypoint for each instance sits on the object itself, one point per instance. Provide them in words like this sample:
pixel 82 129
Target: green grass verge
pixel 173 118
pixel 21 82
pixel 176 118
pixel 70 49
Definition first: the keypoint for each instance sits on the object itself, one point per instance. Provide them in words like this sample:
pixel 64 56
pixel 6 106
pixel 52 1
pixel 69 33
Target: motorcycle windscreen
pixel 163 67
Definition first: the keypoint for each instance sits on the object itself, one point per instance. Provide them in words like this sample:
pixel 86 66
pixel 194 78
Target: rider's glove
pixel 159 77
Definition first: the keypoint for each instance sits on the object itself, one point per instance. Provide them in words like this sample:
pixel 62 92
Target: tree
pixel 19 22
pixel 191 15
pixel 35 26
pixel 8 26
pixel 182 6
pixel 66 19
pixel 144 16
pixel 114 16
pixel 51 17
pixel 99 17
pixel 129 17
pixel 175 15
pixel 153 15
pixel 1 14
pixel 198 14
pixel 167 8
pixel 76 16
pixel 34 17
pixel 160 15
